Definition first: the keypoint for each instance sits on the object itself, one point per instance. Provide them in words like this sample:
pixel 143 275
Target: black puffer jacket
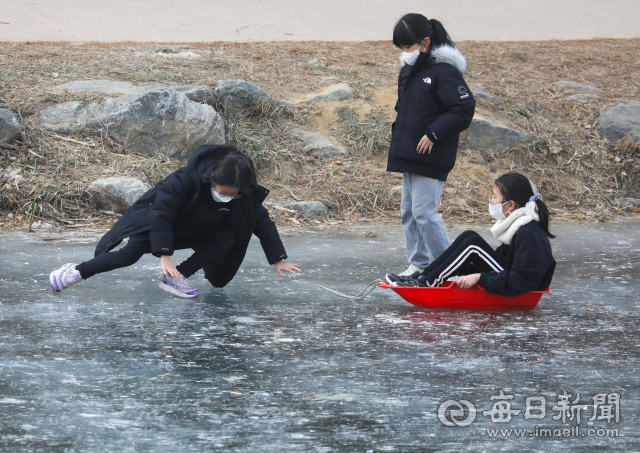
pixel 174 198
pixel 530 264
pixel 433 99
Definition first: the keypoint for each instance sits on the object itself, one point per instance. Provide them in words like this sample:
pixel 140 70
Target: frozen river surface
pixel 267 364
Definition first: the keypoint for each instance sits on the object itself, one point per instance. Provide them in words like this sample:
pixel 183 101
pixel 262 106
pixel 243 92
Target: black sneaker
pixel 414 282
pixel 394 279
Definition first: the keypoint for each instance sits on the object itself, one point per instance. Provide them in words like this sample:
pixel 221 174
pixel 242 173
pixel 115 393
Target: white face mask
pixel 495 211
pixel 222 198
pixel 409 57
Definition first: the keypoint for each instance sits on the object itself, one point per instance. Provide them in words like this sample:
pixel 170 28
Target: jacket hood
pixel 451 56
pixel 204 157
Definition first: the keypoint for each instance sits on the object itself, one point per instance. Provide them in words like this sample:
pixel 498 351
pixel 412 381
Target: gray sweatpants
pixel 424 229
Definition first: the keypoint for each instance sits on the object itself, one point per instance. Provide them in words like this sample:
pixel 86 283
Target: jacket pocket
pixel 440 156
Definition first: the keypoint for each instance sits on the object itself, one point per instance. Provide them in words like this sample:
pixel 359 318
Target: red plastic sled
pixel 449 295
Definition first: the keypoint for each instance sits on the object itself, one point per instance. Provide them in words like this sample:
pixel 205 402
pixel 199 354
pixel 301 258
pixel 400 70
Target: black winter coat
pixel 433 100
pixel 172 199
pixel 530 264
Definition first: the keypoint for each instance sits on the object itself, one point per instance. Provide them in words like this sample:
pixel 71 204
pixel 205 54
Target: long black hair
pixel 233 169
pixel 413 28
pixel 517 188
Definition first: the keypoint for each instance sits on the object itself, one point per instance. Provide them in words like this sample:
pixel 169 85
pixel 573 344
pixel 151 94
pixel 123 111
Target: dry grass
pixel 367 134
pixel 578 172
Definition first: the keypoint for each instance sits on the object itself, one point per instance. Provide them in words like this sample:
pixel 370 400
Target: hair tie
pixel 535 197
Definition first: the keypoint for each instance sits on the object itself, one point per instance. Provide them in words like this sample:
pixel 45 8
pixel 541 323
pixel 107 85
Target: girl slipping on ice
pixel 213 206
pixel 522 263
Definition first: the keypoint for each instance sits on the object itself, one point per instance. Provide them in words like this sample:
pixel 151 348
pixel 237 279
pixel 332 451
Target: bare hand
pixel 168 267
pixel 282 266
pixel 425 145
pixel 468 281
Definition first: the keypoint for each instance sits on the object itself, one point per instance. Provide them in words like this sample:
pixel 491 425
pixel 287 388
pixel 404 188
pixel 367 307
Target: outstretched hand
pixel 282 266
pixel 468 281
pixel 168 267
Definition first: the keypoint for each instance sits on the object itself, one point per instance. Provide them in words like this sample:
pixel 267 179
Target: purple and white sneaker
pixel 178 286
pixel 64 277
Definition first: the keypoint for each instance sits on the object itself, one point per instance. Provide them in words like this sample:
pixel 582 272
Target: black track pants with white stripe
pixel 469 254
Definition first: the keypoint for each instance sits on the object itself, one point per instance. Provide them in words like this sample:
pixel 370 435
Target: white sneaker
pixel 64 277
pixel 412 269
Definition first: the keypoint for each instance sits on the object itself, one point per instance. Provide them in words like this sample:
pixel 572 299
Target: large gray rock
pixel 154 122
pixel 239 95
pixel 9 126
pixel 621 121
pixel 196 93
pixel 491 135
pixel 337 92
pixel 308 208
pixel 116 194
pixel 568 85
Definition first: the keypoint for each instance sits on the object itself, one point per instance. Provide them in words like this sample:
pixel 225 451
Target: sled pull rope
pixel 370 287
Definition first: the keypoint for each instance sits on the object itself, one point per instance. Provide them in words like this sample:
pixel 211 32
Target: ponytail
pixel 414 28
pixel 440 36
pixel 517 188
pixel 545 217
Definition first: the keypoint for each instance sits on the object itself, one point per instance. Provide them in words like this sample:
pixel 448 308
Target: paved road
pixel 277 365
pixel 324 20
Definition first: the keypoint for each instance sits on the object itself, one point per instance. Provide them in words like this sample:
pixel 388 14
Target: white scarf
pixel 504 230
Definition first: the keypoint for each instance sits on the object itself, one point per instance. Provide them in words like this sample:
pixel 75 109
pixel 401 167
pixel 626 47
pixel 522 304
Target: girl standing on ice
pixel 522 263
pixel 213 206
pixel 434 105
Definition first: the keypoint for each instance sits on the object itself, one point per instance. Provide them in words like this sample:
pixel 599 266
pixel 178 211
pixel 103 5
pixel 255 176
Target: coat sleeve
pixel 459 103
pixel 269 237
pixel 173 194
pixel 523 276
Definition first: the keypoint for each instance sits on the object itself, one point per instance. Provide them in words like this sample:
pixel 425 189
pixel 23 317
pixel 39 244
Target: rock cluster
pixel 159 121
pixel 170 119
pixel 175 119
